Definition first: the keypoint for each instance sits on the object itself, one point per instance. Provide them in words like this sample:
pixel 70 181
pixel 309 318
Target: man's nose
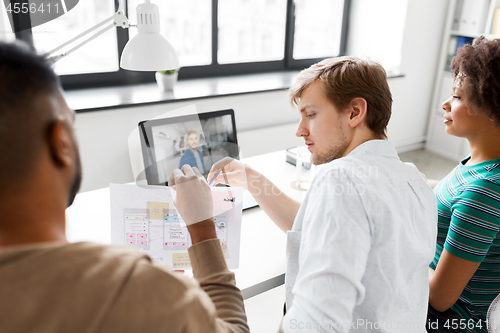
pixel 302 130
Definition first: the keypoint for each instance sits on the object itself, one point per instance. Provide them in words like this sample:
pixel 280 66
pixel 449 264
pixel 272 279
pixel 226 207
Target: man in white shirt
pixel 360 244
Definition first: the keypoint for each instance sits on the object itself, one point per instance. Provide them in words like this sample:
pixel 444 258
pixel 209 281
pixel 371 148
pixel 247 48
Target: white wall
pixel 421 42
pixel 376 30
pixel 419 59
pixel 103 135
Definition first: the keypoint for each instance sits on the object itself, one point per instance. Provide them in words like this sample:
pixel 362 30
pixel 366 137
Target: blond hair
pixel 345 78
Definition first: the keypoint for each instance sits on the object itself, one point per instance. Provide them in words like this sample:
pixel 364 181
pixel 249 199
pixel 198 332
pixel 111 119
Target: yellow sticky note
pixel 156 210
pixel 226 253
pixel 180 260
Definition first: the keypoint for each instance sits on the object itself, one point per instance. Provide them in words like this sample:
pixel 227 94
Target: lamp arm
pixel 121 6
pixel 119 19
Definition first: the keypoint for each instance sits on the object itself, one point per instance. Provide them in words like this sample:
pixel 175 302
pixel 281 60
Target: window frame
pixel 125 77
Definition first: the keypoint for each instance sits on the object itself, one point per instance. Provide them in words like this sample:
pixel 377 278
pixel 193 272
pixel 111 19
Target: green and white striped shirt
pixel 468 202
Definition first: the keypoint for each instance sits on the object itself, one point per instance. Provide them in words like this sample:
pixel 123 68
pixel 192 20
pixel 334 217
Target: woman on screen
pixel 464 277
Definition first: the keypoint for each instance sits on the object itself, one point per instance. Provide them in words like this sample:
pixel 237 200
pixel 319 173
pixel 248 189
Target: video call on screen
pixel 199 143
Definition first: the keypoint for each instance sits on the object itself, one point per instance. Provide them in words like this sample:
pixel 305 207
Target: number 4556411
pixel 32 8
pixel 464 323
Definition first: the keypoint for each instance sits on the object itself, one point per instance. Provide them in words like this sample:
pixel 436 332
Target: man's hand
pixel 278 206
pixel 194 202
pixel 233 173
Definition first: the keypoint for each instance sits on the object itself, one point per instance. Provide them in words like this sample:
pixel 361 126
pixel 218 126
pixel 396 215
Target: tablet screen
pixel 197 140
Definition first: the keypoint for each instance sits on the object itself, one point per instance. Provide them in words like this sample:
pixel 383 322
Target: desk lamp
pixel 147 51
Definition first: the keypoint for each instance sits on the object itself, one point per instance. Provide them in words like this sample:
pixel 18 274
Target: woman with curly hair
pixel 464 277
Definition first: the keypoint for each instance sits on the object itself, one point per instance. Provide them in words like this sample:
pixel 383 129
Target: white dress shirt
pixel 360 246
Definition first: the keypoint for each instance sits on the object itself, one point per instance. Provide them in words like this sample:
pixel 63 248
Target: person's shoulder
pixel 114 258
pixel 492 178
pixel 344 164
pixel 120 254
pixel 167 300
pixel 103 260
pixel 104 251
pixel 345 169
pixel 140 275
pixel 484 186
pixel 80 257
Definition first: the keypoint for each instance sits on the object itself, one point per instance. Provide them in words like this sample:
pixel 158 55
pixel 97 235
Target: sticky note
pixel 180 260
pixel 156 209
pixel 226 253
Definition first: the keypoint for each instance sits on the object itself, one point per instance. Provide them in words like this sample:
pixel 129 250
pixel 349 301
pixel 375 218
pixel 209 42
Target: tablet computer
pixel 198 140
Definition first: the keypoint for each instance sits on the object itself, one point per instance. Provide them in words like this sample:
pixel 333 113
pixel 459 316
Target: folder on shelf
pixel 452 48
pixel 455 43
pixel 473 16
pixel 461 41
pixel 456 16
pixel 496 23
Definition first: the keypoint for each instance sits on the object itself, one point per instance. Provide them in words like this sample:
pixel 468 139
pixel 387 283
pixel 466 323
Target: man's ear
pixel 357 109
pixel 60 144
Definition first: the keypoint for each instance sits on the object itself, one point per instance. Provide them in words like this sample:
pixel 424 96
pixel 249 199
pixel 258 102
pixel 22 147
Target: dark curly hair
pixel 478 66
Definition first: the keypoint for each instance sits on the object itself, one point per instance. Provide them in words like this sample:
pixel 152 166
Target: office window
pixel 318 28
pixel 251 30
pixel 187 24
pixel 6 33
pixel 100 55
pixel 376 31
pixel 212 37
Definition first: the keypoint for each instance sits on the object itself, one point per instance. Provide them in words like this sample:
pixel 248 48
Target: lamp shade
pixel 149 52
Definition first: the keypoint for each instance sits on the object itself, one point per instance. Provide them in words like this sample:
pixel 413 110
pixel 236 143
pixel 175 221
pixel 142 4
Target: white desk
pixel 263 244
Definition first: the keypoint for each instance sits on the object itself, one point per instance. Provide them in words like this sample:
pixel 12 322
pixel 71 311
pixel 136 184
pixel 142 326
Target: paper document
pixel 145 217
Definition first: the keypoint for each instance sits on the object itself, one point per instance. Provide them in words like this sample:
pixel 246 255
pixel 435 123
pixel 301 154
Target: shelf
pixel 490 36
pixel 438 140
pixel 473 35
pixel 465 34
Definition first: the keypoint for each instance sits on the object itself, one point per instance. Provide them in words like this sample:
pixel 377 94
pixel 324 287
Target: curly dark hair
pixel 478 66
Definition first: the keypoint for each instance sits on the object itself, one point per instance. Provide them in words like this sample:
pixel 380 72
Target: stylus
pixel 213 179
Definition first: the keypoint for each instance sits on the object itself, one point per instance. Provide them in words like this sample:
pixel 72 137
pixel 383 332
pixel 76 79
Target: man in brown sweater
pixel 50 285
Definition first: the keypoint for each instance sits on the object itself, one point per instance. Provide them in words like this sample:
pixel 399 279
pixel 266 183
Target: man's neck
pixel 358 139
pixel 194 149
pixel 31 218
pixel 43 234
